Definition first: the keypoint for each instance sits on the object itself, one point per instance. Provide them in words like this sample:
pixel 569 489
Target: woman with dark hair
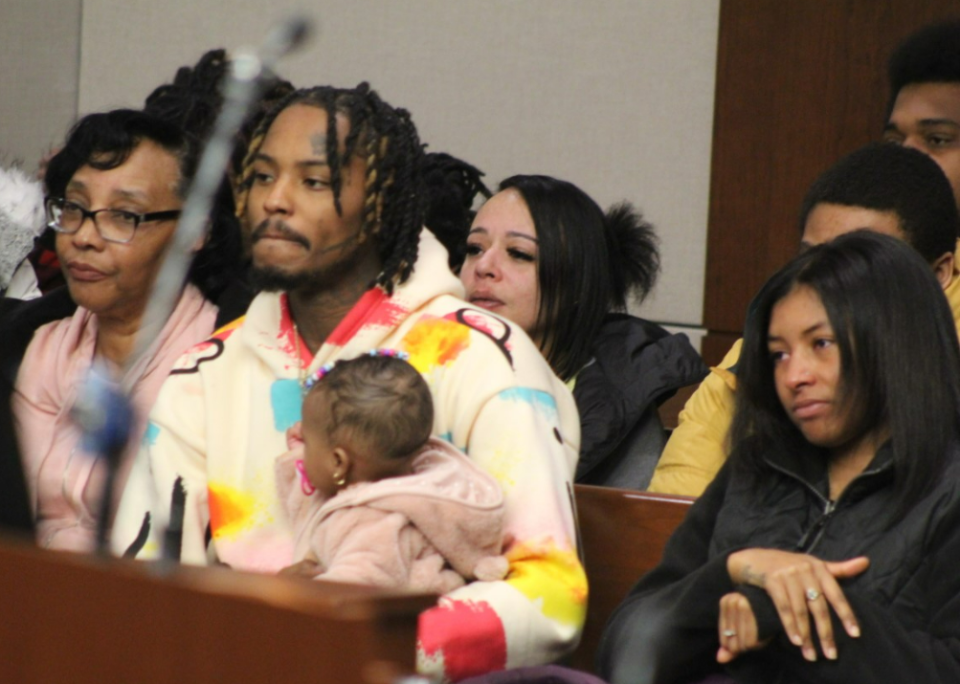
pixel 826 548
pixel 543 254
pixel 115 193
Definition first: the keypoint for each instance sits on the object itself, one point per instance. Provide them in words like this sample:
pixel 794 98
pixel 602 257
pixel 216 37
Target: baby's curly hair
pixel 381 402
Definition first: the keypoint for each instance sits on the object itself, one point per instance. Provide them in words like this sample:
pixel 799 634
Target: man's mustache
pixel 280 229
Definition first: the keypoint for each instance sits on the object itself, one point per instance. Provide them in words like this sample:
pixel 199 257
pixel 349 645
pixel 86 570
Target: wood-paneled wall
pixel 799 84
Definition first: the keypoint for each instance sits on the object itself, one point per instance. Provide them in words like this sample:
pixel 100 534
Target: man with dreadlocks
pixel 332 203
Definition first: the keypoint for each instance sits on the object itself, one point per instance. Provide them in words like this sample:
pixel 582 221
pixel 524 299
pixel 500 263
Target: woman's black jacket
pixel 636 365
pixel 907 601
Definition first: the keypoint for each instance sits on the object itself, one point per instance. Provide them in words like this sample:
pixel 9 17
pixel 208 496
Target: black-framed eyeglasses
pixel 114 225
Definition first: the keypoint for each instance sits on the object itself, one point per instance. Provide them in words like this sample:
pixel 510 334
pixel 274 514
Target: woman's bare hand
pixel 737 628
pixel 801 587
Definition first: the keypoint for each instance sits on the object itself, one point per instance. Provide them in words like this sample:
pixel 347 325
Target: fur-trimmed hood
pixel 21 219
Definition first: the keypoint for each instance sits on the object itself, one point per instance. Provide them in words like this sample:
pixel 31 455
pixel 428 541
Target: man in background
pixel 885 188
pixel 924 114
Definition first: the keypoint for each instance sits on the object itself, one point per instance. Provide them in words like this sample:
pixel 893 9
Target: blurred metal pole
pixel 103 409
pixel 242 89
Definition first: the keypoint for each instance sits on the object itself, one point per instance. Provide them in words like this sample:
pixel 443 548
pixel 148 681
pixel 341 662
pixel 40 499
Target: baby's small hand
pixel 308 568
pixel 295 435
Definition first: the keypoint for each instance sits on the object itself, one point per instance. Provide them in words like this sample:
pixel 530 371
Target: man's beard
pixel 276 279
pixel 311 281
pixel 273 279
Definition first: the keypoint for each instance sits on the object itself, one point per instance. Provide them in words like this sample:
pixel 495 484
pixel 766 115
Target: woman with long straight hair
pixel 826 549
pixel 543 254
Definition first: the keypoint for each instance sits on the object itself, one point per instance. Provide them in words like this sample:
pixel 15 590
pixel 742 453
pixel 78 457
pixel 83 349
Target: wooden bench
pixel 85 620
pixel 622 535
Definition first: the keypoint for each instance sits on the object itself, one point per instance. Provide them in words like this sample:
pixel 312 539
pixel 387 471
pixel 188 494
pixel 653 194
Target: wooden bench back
pixel 622 535
pixel 68 617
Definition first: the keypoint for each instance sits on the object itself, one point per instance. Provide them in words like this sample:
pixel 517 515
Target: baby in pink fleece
pixel 373 498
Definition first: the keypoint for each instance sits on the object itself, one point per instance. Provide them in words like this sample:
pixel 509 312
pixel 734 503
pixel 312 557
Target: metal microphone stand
pixel 103 410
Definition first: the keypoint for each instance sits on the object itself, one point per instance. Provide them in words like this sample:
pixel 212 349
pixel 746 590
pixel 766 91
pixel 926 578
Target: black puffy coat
pixel 636 366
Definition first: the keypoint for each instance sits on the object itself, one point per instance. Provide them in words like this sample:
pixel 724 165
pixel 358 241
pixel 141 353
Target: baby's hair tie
pixel 311 380
pixel 391 353
pixel 317 375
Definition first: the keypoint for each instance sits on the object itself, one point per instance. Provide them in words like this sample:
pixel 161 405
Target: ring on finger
pixel 729 633
pixel 812 594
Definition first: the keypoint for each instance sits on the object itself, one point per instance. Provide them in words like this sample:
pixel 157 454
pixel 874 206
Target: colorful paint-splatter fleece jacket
pixel 207 463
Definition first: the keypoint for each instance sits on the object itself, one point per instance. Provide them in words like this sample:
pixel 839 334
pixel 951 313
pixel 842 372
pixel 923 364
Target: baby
pixel 376 500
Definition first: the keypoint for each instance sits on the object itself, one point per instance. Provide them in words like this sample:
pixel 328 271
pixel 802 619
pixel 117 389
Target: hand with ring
pixel 803 588
pixel 738 628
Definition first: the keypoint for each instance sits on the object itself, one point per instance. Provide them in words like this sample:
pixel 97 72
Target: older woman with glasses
pixel 115 194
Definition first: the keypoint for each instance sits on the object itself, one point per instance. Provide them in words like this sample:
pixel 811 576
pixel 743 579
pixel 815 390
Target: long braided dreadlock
pixel 452 187
pixel 195 97
pixel 192 101
pixel 394 192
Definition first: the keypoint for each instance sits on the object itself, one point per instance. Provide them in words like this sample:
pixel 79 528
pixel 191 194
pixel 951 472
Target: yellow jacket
pixel 697 448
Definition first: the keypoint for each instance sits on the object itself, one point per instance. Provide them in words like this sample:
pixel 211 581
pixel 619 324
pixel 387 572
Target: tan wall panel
pixel 39 54
pixel 615 96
